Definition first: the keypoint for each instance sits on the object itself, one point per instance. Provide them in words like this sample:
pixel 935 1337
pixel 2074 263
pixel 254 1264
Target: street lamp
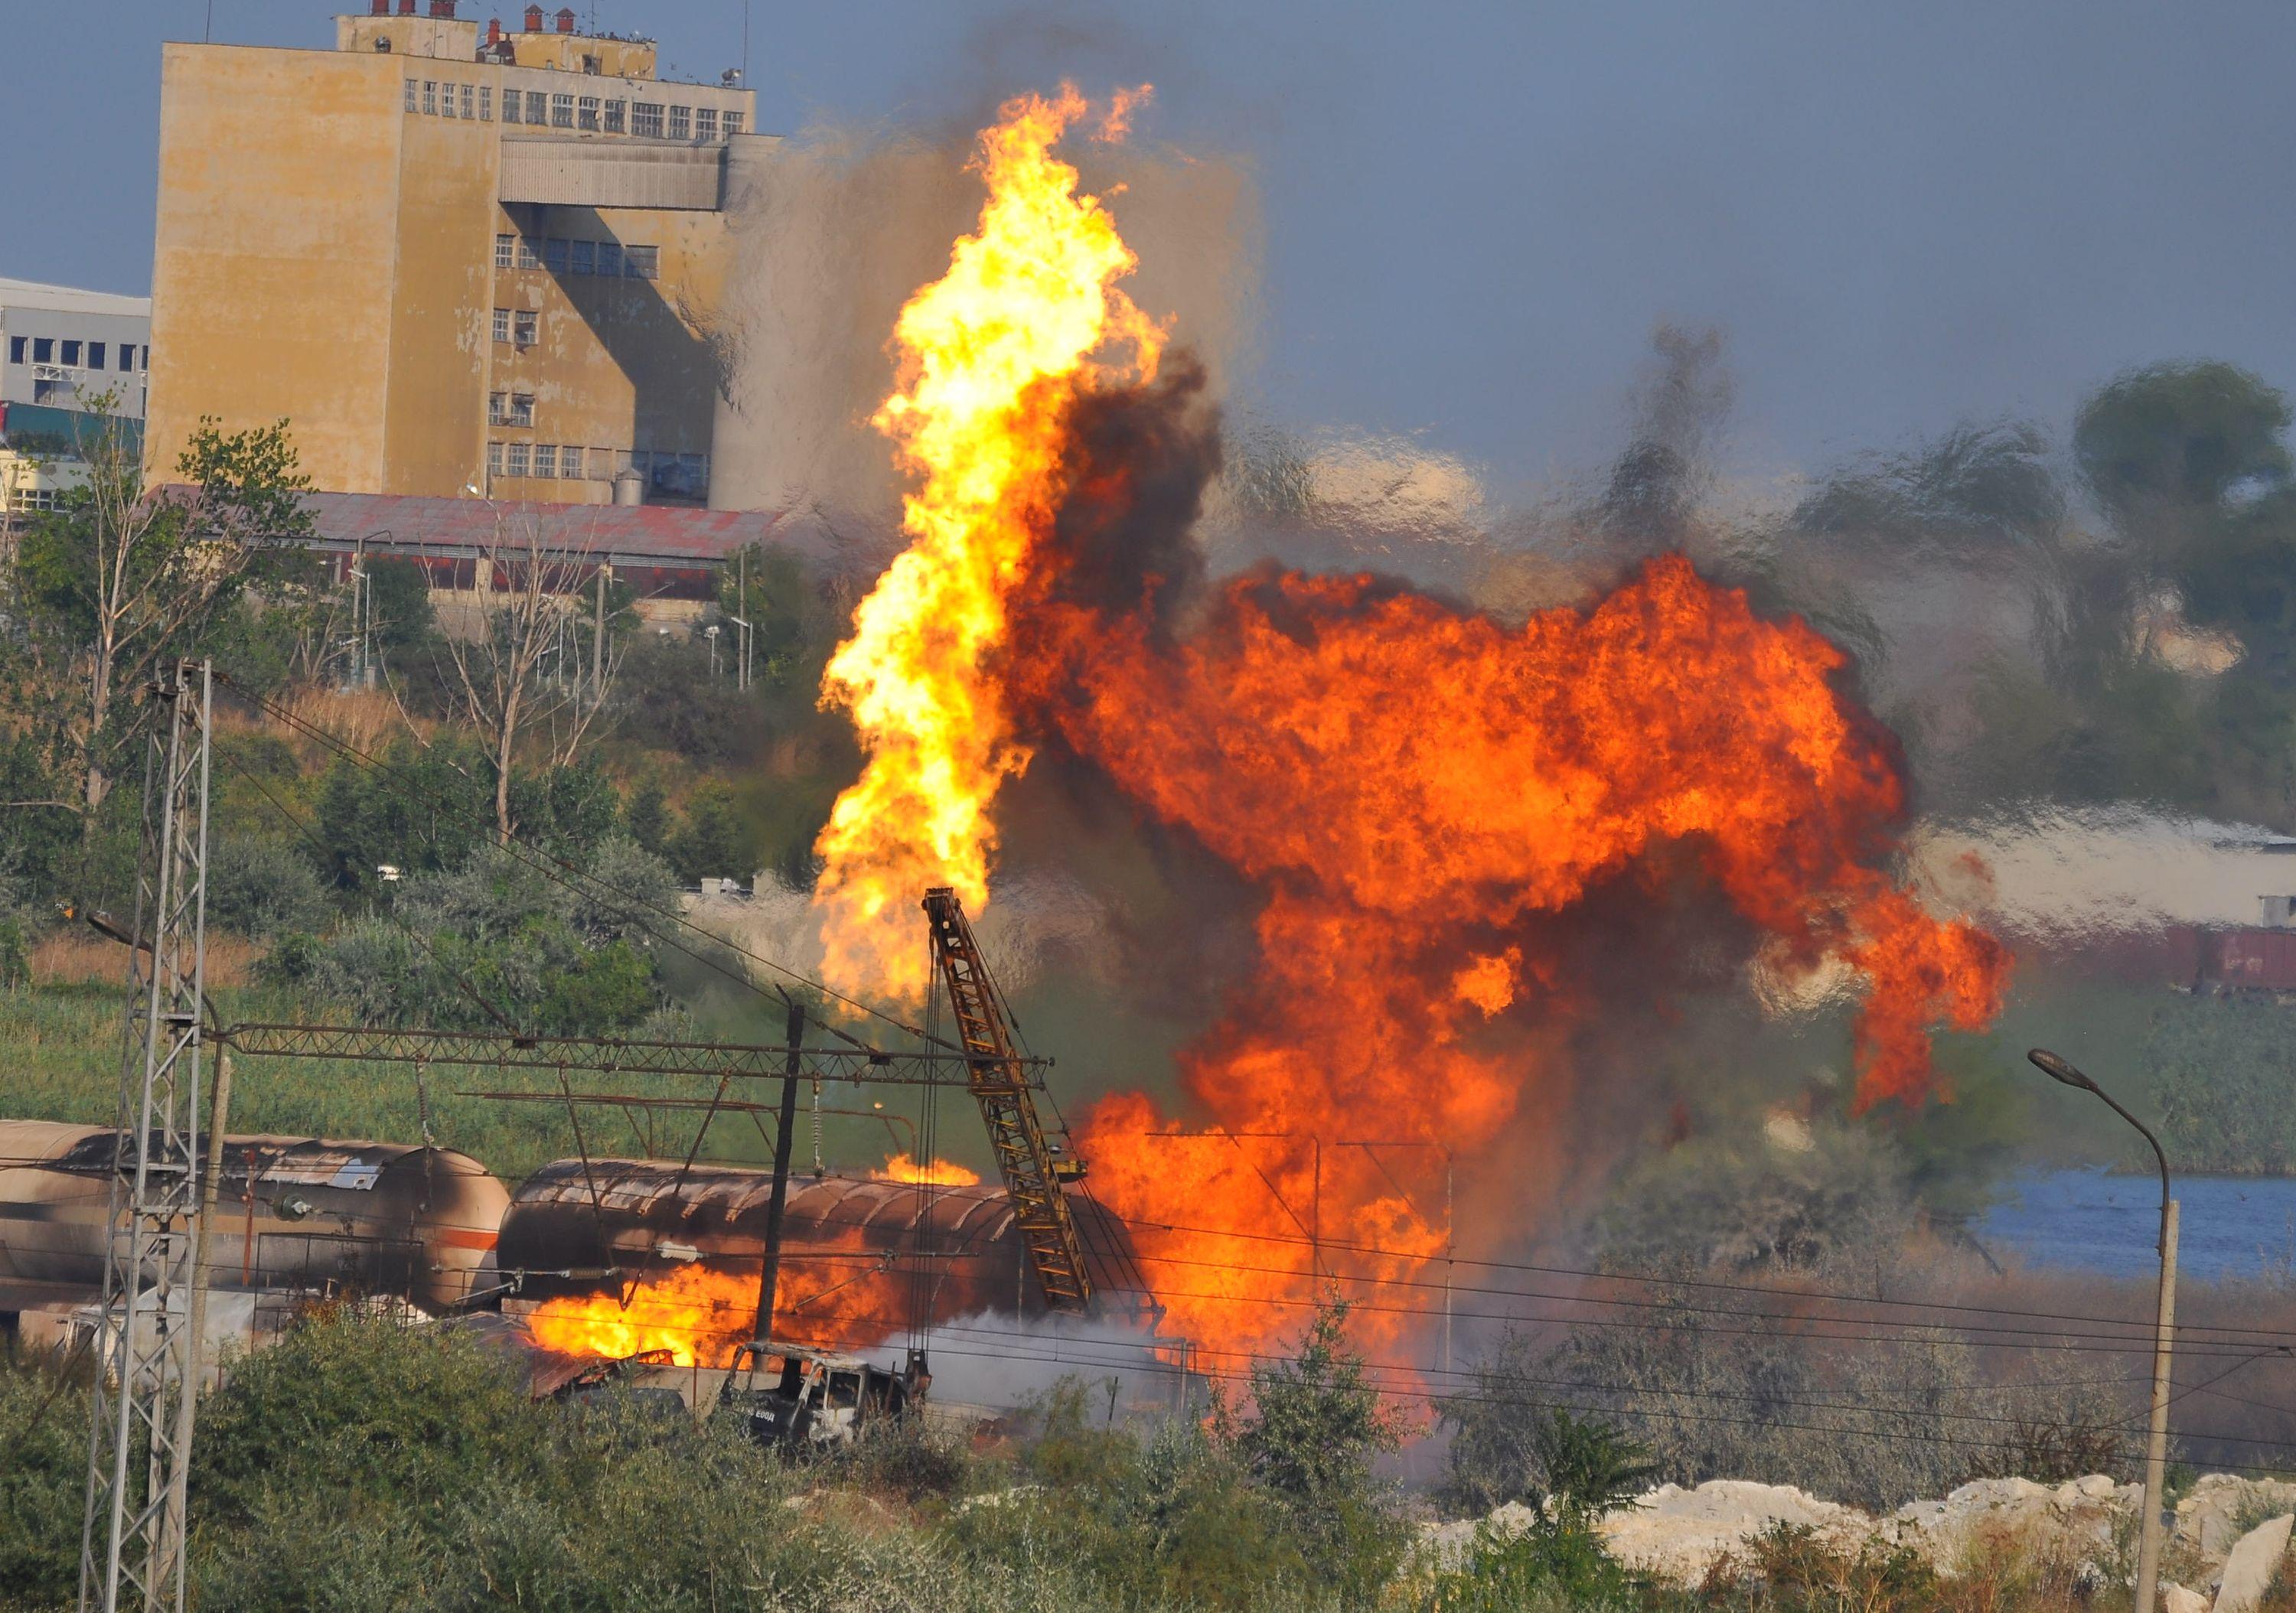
pixel 2156 1452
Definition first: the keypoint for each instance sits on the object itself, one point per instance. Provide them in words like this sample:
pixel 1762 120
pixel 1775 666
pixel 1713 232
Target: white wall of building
pixel 59 347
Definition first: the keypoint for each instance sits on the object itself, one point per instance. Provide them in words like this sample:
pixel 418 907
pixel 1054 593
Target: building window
pixel 529 326
pixel 545 459
pixel 609 258
pixel 514 459
pixel 733 125
pixel 645 119
pixel 470 101
pixel 71 355
pixel 705 123
pixel 497 408
pixel 522 408
pixel 681 122
pixel 553 256
pixel 561 111
pixel 527 258
pixel 642 263
pixel 502 324
pixel 614 113
pixel 537 108
pixel 585 112
pixel 15 349
pixel 127 356
pixel 509 106
pixel 96 356
pixel 410 95
pixel 585 257
pixel 569 463
pixel 144 357
pixel 430 97
pixel 44 349
pixel 494 459
pixel 486 103
pixel 506 251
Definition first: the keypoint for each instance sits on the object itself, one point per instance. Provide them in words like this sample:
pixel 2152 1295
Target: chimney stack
pixel 565 19
pixel 379 8
pixel 407 8
pixel 494 32
pixel 442 8
pixel 533 19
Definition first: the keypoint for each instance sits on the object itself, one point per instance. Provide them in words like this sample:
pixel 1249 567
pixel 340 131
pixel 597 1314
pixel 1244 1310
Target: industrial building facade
pixel 455 262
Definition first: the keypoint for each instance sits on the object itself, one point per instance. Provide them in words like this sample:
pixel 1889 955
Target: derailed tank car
pixel 574 1228
pixel 291 1213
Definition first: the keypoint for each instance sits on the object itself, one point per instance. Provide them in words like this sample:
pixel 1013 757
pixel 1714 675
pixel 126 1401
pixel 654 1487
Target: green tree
pixel 2180 436
pixel 116 583
pixel 713 841
pixel 767 587
pixel 645 816
pixel 1316 1427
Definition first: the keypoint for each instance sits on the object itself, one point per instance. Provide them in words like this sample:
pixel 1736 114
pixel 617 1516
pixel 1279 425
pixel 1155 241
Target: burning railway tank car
pixel 861 1256
pixel 291 1213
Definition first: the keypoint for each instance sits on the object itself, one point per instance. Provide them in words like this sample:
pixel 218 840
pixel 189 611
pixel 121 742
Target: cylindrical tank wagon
pixel 291 1213
pixel 302 1215
pixel 948 1251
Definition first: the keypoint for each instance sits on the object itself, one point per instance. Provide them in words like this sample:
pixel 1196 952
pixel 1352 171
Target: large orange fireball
pixel 1418 791
pixel 991 355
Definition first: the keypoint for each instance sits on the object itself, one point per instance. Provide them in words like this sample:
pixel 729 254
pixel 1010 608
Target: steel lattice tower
pixel 146 1384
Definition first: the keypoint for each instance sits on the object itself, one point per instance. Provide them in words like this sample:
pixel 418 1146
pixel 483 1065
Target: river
pixel 2230 1227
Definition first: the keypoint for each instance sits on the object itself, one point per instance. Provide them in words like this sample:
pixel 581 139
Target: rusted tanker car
pixel 291 1213
pixel 945 1252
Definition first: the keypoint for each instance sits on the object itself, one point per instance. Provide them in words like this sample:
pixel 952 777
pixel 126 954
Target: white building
pixel 61 347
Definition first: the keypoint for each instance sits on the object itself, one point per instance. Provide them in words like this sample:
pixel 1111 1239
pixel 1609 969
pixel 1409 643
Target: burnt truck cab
pixel 790 1395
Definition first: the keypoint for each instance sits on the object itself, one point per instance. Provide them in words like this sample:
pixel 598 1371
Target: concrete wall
pixel 274 259
pixel 576 171
pixel 444 233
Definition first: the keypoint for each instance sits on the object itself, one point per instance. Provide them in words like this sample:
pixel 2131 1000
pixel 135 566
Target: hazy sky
pixel 1476 213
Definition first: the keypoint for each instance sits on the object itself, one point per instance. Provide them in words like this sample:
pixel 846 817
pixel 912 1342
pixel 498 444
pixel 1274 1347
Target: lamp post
pixel 2156 1452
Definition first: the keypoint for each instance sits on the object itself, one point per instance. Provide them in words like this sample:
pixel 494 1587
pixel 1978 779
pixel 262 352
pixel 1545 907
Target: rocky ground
pixel 2230 1538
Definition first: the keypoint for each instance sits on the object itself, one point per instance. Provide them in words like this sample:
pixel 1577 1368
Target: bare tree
pixel 518 663
pixel 126 575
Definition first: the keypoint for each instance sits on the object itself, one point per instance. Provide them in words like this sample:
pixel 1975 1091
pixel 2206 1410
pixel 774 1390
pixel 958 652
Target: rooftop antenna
pixel 207 36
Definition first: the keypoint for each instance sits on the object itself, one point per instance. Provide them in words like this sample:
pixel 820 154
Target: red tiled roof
pixel 651 533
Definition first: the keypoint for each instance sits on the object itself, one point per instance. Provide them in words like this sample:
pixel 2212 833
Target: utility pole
pixel 2164 1329
pixel 769 1278
pixel 598 642
pixel 146 1387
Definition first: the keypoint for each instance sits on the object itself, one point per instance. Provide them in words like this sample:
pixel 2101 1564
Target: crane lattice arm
pixel 998 1079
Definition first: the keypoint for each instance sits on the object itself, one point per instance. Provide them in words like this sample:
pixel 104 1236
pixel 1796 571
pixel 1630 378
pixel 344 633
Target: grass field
pixel 60 1059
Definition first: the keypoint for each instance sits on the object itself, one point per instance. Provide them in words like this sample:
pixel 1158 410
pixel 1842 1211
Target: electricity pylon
pixel 147 1377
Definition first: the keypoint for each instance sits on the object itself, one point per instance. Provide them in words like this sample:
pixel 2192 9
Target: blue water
pixel 2088 1220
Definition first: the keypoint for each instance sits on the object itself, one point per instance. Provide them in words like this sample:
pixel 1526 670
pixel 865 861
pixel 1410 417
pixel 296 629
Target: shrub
pixel 1548 1565
pixel 262 888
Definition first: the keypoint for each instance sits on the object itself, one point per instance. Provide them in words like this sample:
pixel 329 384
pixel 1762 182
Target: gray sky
pixel 1476 213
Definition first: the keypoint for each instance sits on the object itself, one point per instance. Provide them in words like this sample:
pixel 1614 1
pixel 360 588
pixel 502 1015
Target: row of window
pixel 611 259
pixel 76 354
pixel 510 408
pixel 540 109
pixel 686 474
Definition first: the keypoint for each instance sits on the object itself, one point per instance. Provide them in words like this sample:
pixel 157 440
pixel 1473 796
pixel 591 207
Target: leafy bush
pixel 1548 1565
pixel 262 888
pixel 43 1476
pixel 499 933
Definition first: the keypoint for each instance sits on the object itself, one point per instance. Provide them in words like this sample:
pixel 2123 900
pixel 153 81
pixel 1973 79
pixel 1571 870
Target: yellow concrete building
pixel 451 259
